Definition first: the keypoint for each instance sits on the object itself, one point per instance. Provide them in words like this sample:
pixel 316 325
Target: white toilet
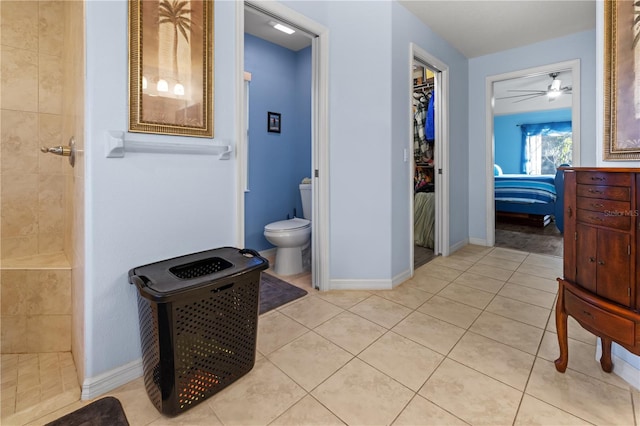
pixel 292 238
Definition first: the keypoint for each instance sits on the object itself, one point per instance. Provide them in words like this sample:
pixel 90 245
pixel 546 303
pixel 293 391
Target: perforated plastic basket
pixel 198 324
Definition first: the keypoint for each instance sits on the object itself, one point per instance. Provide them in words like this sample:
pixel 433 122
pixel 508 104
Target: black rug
pixel 103 412
pixel 547 240
pixel 274 292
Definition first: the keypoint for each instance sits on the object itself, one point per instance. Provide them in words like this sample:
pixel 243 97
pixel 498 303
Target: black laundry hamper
pixel 198 323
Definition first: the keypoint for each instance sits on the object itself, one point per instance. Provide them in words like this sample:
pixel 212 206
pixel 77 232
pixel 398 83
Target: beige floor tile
pixel 509 265
pixel 350 331
pixel 427 283
pixel 491 271
pixel 381 311
pixel 309 412
pixel 430 332
pixel 402 359
pixel 508 254
pixel 510 332
pixel 344 298
pixel 467 295
pixel 257 398
pixel 406 295
pixel 529 295
pixel 310 359
pixel 136 403
pixel 502 362
pixel 311 311
pixel 539 271
pixel 574 330
pixel 470 395
pixel 519 311
pixel 452 262
pixel 423 412
pixel 538 283
pixel 582 358
pixel 635 395
pixel 452 312
pixel 479 282
pixel 442 272
pixel 550 262
pixel 583 396
pixel 537 413
pixel 361 395
pixel 276 330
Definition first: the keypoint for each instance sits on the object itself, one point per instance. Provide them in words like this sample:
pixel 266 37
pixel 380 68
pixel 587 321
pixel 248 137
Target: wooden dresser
pixel 600 286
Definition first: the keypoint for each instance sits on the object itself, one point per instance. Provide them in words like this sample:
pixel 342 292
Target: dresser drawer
pixel 619 329
pixel 604 206
pixel 618 193
pixel 609 219
pixel 603 178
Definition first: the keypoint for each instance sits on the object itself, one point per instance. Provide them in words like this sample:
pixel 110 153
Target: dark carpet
pixel 103 412
pixel 274 292
pixel 540 240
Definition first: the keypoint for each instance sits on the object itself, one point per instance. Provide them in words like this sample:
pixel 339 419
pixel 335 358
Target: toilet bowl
pixel 292 238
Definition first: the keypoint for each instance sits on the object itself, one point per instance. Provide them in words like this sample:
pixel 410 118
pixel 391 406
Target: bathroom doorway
pixel 283 75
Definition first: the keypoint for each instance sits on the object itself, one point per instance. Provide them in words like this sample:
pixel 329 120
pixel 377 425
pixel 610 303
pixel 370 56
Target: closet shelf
pixel 117 142
pixel 427 165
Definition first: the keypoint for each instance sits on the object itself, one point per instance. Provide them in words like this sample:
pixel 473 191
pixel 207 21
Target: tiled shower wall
pixel 42 49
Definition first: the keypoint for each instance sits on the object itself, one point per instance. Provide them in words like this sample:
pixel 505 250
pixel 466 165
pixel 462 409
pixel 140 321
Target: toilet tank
pixel 305 196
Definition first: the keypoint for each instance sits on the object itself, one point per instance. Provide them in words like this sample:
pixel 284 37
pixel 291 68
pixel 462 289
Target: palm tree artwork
pixel 176 13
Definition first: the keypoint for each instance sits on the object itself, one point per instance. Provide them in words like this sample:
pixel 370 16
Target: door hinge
pixel 629 249
pixel 576 236
pixel 439 171
pixel 629 291
pixel 316 173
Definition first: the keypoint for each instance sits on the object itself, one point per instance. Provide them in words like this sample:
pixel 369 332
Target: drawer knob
pixel 595 191
pixel 587 313
pixel 597 218
pixel 597 205
pixel 600 262
pixel 569 212
pixel 592 259
pixel 598 178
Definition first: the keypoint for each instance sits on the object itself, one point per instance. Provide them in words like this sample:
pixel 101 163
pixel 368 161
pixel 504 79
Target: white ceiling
pixel 482 27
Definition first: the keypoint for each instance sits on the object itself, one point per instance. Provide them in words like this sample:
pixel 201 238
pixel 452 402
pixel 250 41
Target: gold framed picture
pixel 171 67
pixel 621 80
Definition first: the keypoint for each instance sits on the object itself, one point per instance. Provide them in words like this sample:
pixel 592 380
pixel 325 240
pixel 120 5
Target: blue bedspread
pixel 525 189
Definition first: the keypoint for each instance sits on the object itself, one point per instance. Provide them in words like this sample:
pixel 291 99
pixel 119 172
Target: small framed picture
pixel 273 122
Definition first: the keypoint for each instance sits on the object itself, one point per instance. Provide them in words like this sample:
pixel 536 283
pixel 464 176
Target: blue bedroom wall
pixel 280 82
pixel 508 137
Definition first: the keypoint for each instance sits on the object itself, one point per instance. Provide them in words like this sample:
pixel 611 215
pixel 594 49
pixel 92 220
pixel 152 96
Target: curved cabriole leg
pixel 605 359
pixel 561 327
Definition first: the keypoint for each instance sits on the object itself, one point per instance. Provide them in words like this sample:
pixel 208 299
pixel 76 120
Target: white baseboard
pixel 622 368
pixel 361 285
pixel 400 278
pixel 478 241
pixel 93 387
pixel 457 246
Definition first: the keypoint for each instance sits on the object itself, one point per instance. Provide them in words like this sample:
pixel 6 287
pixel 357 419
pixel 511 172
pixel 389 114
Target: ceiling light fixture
pixel 553 91
pixel 282 28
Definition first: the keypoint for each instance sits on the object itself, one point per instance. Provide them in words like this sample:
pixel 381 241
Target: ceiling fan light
pixel 555 85
pixel 552 94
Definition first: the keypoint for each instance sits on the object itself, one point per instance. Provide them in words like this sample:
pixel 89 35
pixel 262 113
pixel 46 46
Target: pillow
pixel 497 171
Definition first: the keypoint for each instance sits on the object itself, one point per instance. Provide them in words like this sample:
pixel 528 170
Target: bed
pixel 535 196
pixel 424 219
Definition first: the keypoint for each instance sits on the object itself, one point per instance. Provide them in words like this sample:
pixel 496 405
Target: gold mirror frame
pixel 171 67
pixel 621 55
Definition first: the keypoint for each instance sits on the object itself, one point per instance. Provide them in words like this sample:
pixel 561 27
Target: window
pixel 545 146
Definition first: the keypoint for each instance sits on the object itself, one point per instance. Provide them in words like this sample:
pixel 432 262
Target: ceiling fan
pixel 554 90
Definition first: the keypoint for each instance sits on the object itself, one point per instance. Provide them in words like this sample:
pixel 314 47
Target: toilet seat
pixel 288 225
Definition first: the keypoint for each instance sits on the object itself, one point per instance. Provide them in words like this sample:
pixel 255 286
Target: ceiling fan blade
pixel 530 97
pixel 520 96
pixel 530 91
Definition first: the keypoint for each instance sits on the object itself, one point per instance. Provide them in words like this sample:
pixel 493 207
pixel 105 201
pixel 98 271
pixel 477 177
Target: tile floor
pixel 469 340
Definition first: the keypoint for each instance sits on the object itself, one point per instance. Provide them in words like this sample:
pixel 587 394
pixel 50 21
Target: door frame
pixel 441 150
pixel 319 128
pixel 574 66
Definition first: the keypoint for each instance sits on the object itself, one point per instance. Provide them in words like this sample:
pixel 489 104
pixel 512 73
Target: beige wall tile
pixel 12 334
pixel 19 246
pixel 49 333
pixel 19 204
pixel 49 292
pixel 51 27
pixel 19 139
pixel 19 79
pixel 13 284
pixel 20 24
pixel 50 84
pixel 51 204
pixel 50 242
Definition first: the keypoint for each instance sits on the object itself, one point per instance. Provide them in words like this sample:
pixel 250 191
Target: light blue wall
pixel 280 82
pixel 408 29
pixel 576 46
pixel 508 136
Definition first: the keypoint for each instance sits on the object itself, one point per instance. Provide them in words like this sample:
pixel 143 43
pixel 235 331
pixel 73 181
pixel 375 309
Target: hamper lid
pixel 182 274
